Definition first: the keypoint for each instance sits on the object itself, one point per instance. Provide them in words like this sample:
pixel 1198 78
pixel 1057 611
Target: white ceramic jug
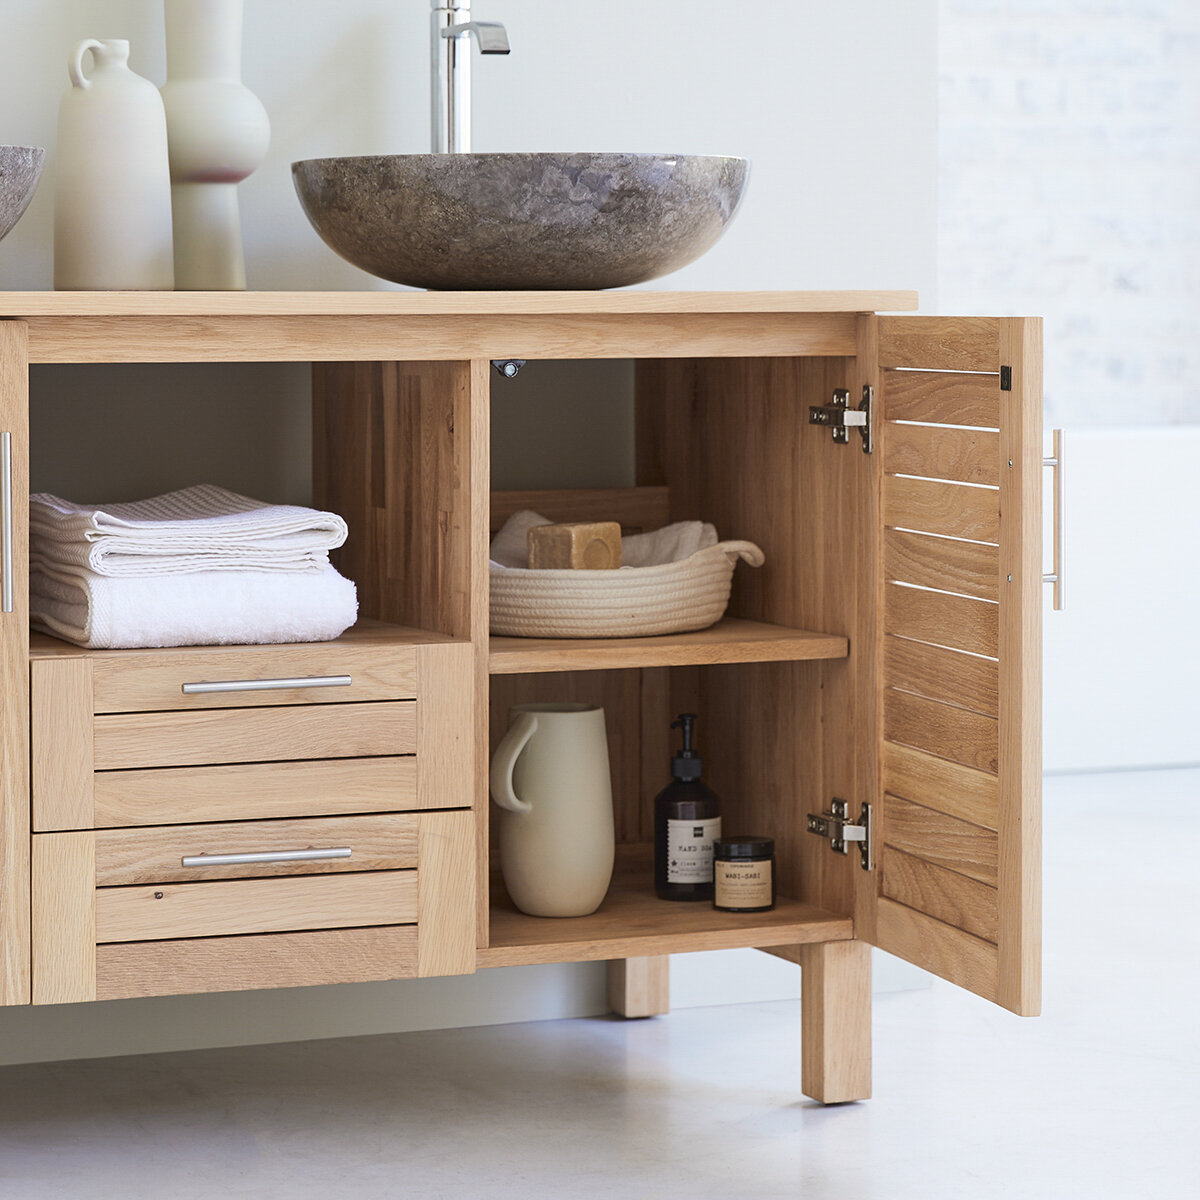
pixel 550 776
pixel 112 187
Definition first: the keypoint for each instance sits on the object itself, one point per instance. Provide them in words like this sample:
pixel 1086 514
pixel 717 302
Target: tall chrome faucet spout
pixel 491 35
pixel 450 71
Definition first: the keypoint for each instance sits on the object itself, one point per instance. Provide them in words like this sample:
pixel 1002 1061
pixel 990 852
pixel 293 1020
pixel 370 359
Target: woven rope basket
pixel 633 602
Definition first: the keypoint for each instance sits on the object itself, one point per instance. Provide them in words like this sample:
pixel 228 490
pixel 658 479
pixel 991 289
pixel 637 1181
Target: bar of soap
pixel 583 546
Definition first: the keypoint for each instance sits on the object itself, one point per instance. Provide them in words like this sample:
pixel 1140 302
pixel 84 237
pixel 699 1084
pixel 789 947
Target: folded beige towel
pixel 204 528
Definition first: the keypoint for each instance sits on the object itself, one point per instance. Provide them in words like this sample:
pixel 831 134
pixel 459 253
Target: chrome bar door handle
pixel 265 856
pixel 266 685
pixel 1056 577
pixel 7 594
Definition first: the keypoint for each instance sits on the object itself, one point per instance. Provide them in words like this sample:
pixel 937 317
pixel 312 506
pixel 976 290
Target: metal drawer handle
pixel 265 856
pixel 266 685
pixel 6 523
pixel 1056 577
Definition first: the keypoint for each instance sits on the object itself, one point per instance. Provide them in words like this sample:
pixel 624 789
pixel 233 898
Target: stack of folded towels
pixel 202 566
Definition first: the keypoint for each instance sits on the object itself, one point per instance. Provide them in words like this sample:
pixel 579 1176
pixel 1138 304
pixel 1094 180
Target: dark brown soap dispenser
pixel 687 820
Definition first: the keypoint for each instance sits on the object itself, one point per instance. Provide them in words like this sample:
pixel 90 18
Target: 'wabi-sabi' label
pixel 743 884
pixel 690 850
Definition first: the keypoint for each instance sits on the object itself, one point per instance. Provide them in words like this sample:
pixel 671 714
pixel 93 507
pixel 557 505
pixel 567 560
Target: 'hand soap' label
pixel 690 850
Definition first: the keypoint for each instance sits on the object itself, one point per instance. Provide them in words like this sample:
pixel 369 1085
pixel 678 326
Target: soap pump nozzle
pixel 687 764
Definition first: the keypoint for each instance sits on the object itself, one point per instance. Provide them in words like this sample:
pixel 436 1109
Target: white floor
pixel 1099 1098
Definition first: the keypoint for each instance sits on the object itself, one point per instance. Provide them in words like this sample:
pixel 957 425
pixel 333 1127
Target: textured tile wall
pixel 1070 187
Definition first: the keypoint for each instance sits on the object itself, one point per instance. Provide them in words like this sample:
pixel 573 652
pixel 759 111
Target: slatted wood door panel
pixel 959 803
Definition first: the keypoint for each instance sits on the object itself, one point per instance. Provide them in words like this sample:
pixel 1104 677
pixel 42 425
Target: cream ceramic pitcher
pixel 112 195
pixel 550 777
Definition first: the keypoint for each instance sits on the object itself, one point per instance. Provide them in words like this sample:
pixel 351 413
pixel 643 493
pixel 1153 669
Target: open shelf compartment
pixel 633 922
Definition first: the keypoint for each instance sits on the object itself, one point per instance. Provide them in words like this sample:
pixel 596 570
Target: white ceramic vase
pixel 218 133
pixel 112 192
pixel 550 777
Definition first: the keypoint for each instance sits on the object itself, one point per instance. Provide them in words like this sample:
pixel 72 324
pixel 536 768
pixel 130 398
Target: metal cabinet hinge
pixel 835 824
pixel 841 418
pixel 1006 379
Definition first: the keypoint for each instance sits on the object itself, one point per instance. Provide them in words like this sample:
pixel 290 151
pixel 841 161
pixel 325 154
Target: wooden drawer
pixel 232 906
pixel 186 853
pixel 360 666
pixel 241 735
pixel 251 791
pixel 95 767
pixel 127 969
pixel 100 932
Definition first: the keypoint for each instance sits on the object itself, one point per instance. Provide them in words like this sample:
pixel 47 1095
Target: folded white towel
pixel 203 608
pixel 204 528
pixel 672 543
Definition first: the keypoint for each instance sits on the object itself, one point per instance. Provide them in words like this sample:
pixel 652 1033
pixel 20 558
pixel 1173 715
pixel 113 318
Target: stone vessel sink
pixel 20 170
pixel 521 221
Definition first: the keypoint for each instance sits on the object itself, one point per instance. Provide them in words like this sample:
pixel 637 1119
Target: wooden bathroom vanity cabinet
pixel 871 699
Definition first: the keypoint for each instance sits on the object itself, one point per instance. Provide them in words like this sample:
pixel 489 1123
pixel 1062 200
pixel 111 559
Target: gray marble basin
pixel 20 170
pixel 521 221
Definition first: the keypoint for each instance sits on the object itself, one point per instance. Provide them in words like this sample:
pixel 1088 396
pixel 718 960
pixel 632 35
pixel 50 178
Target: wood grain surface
pixel 14 682
pixel 730 640
pixel 197 910
pixel 180 739
pixel 253 791
pixel 835 1017
pixel 230 964
pixel 154 854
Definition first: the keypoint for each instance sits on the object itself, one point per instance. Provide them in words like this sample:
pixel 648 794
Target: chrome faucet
pixel 451 71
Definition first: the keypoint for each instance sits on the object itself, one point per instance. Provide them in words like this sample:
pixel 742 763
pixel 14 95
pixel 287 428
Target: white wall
pixel 835 105
pixel 1070 183
pixel 1122 662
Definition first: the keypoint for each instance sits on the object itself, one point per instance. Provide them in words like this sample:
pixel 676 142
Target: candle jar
pixel 744 874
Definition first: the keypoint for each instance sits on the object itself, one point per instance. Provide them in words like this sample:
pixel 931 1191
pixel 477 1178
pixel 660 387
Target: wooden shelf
pixel 633 922
pixel 729 641
pixel 364 633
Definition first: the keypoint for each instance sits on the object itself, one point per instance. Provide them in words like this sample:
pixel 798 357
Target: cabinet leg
pixel 835 1017
pixel 640 987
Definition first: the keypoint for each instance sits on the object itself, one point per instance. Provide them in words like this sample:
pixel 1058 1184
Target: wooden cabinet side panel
pixel 63 760
pixel 447 746
pixel 477 412
pixel 446 894
pixel 64 917
pixel 14 680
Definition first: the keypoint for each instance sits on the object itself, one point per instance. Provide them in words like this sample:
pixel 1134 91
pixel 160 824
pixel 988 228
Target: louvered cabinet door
pixel 957 886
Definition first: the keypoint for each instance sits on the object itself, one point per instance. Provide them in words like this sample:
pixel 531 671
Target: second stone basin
pixel 521 221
